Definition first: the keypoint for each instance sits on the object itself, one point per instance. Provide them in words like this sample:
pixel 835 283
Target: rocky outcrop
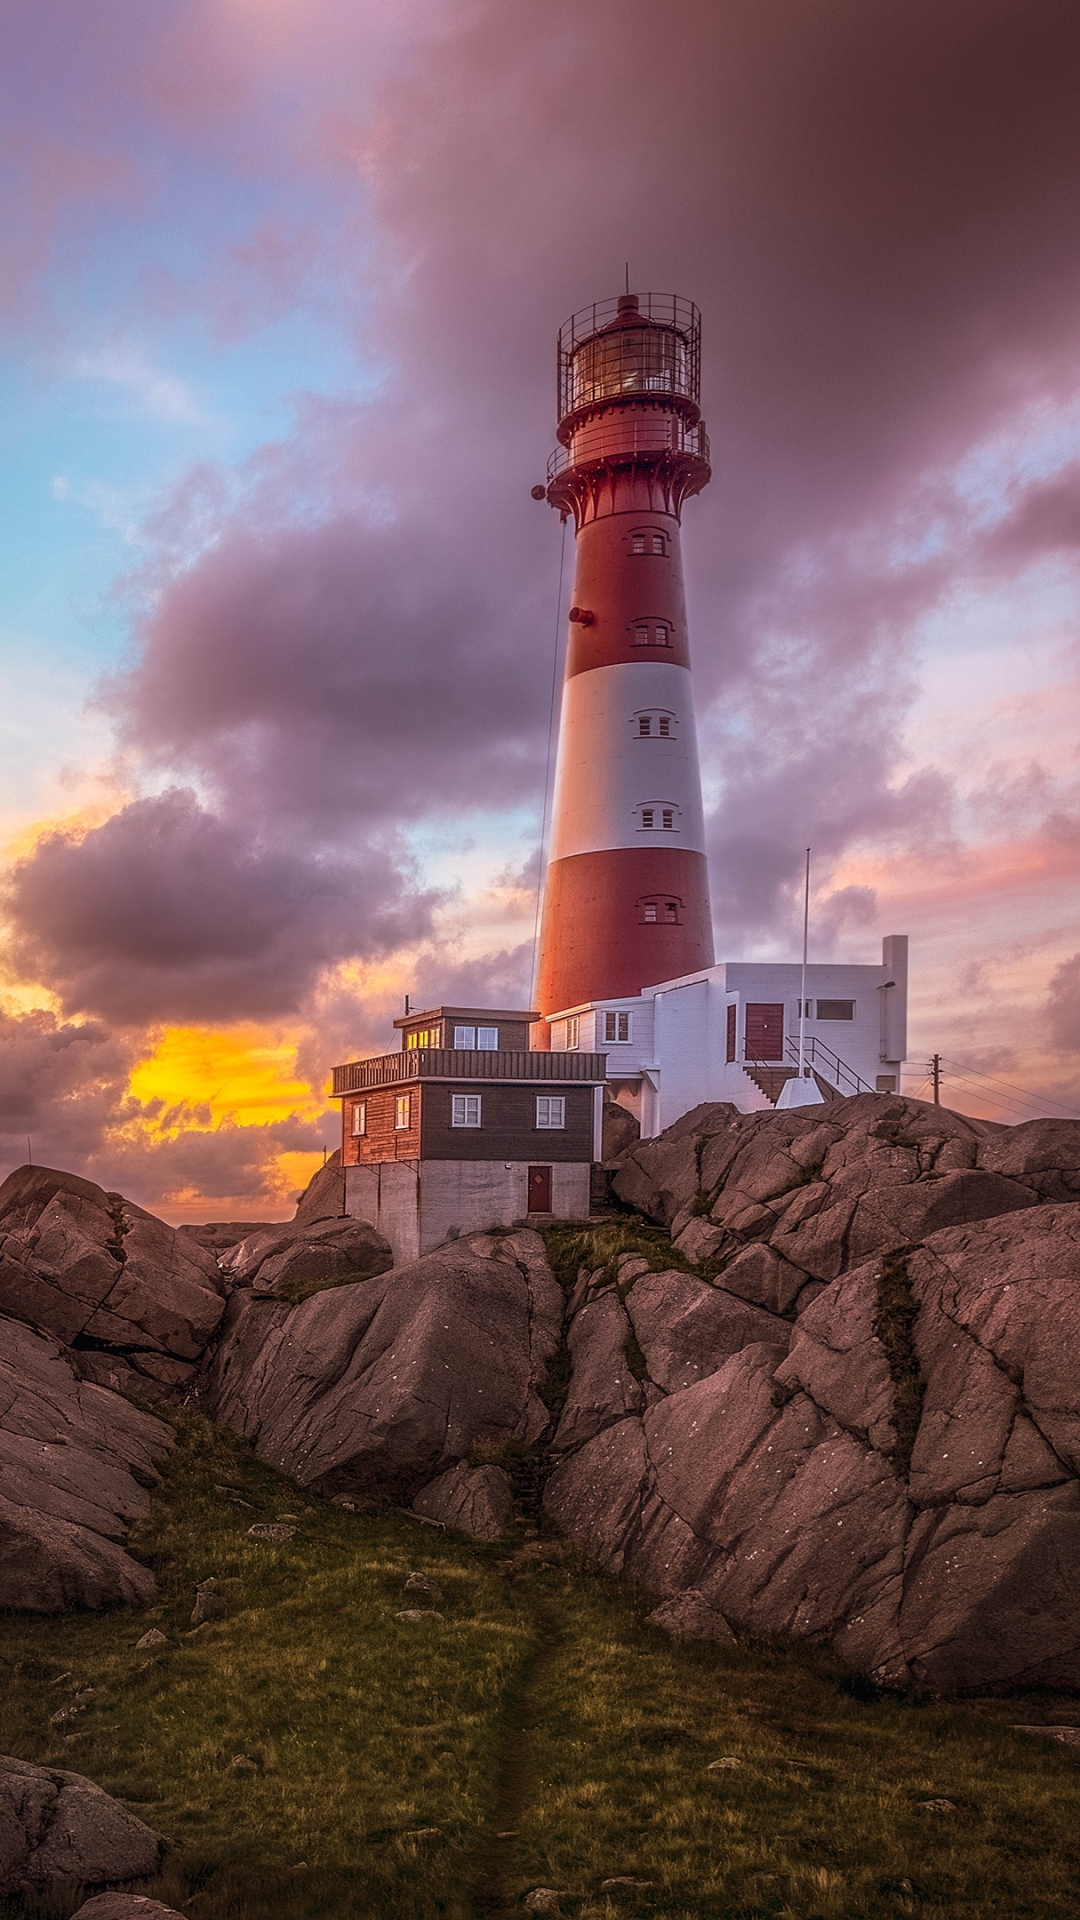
pixel 97 1271
pixel 296 1257
pixel 59 1829
pixel 75 1465
pixel 124 1906
pixel 378 1388
pixel 903 1482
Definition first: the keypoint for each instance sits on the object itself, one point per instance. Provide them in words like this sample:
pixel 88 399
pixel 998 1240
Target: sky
pixel 279 288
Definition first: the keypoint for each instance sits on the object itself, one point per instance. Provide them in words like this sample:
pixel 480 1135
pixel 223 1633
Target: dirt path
pixel 492 1897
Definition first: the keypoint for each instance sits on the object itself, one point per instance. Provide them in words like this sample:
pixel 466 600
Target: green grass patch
pixel 540 1708
pixel 601 1246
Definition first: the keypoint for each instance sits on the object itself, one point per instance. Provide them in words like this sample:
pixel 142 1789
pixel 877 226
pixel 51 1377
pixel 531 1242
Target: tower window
pixel 646 816
pixel 359 1117
pixel 667 819
pixel 637 543
pixel 665 911
pixel 464 1109
pixel 403 1113
pixel 658 543
pixel 671 911
pixel 551 1110
pixel 644 726
pixel 649 914
pixel 617 1028
pixel 665 726
pixel 648 540
pixel 650 634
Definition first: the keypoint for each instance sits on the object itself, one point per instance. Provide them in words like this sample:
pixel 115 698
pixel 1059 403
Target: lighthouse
pixel 627 896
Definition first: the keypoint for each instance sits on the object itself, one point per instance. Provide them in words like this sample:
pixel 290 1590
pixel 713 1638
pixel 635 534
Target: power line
pixel 1036 1099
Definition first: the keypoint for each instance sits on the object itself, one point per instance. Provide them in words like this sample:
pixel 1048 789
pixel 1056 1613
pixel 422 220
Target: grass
pixel 600 1248
pixel 541 1707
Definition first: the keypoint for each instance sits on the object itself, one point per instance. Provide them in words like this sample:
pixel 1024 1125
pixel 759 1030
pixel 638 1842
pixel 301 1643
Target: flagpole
pixel 802 996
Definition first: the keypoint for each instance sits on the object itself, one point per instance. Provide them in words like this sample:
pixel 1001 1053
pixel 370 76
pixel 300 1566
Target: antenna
pixel 628 276
pixel 805 943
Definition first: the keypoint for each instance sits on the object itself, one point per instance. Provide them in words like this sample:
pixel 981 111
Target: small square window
pixel 465 1110
pixel 637 543
pixel 617 1028
pixel 667 819
pixel 649 912
pixel 642 636
pixel 465 1039
pixel 644 727
pixel 665 726
pixel 359 1117
pixel 885 1083
pixel 807 1007
pixel 551 1110
pixel 487 1039
pixel 646 817
pixel 403 1113
pixel 663 636
pixel 671 911
pixel 658 543
pixel 573 1033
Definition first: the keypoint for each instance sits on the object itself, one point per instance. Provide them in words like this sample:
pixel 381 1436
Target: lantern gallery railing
pixel 618 439
pixel 454 1063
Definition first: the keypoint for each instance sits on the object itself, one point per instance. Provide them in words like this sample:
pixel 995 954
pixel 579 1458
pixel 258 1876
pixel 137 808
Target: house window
pixel 617 1028
pixel 551 1110
pixel 465 1039
pixel 423 1037
pixel 644 726
pixel 806 1007
pixel 403 1113
pixel 573 1033
pixel 836 1009
pixel 359 1117
pixel 646 817
pixel 885 1083
pixel 464 1109
pixel 487 1039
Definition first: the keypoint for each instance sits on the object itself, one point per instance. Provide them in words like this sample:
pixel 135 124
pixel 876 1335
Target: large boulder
pixel 93 1268
pixel 297 1258
pixel 124 1906
pixel 75 1465
pixel 378 1388
pixel 60 1830
pixel 903 1483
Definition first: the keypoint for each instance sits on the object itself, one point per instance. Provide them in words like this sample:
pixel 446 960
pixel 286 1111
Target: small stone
pixel 271 1530
pixel 509 1833
pixel 624 1880
pixel 290 1516
pixel 423 1833
pixel 155 1638
pixel 429 1589
pixel 906 1886
pixel 718 1766
pixel 230 1493
pixel 209 1604
pixel 938 1806
pixel 1066 1735
pixel 243 1763
pixel 419 1613
pixel 85 1695
pixel 62 1714
pixel 542 1900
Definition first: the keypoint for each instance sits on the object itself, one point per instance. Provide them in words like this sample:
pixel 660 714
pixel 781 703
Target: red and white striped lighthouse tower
pixel 627 897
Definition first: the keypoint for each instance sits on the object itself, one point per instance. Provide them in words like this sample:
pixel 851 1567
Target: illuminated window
pixel 465 1110
pixel 465 1038
pixel 403 1113
pixel 551 1110
pixel 359 1117
pixel 617 1028
pixel 424 1037
pixel 573 1033
pixel 487 1039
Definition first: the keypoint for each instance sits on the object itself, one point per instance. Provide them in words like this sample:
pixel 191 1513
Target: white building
pixel 731 1032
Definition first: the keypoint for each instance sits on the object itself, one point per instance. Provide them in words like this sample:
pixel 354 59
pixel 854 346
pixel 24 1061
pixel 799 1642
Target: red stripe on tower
pixel 627 896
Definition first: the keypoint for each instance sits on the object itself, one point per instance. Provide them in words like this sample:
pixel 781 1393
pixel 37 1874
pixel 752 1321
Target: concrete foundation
pixel 417 1204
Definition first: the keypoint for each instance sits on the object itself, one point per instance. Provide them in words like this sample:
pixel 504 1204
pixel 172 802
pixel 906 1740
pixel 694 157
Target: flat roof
pixel 471 1015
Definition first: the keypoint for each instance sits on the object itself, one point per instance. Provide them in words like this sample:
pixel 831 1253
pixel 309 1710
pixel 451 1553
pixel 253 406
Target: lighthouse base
pixel 617 921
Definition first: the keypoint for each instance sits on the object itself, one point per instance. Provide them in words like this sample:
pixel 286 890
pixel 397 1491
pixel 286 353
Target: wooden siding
pixel 508 1129
pixel 382 1141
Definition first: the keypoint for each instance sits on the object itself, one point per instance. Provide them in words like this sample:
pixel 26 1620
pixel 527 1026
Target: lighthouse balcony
pixel 620 437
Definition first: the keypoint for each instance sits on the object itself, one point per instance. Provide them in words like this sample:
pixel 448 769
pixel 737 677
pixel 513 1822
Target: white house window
pixel 487 1039
pixel 573 1032
pixel 617 1028
pixel 464 1109
pixel 836 1009
pixel 551 1110
pixel 403 1113
pixel 465 1038
pixel 359 1117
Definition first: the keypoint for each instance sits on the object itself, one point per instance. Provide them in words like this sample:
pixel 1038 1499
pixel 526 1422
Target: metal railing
pixel 459 1063
pixel 622 438
pixel 819 1058
pixel 611 348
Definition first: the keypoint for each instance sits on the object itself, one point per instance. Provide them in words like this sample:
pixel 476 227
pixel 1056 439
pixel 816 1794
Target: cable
pixel 547 768
pixel 1039 1099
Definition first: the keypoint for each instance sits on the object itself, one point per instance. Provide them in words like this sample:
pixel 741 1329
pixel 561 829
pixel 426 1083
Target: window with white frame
pixel 667 819
pixel 573 1033
pixel 649 913
pixel 617 1028
pixel 551 1110
pixel 465 1038
pixel 403 1113
pixel 654 726
pixel 487 1039
pixel 464 1109
pixel 664 725
pixel 359 1117
pixel 648 815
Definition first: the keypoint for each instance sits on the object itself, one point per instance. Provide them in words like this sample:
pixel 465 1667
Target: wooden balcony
pixel 452 1063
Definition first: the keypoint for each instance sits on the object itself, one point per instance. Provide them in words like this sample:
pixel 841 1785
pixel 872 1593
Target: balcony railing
pixel 621 439
pixel 453 1063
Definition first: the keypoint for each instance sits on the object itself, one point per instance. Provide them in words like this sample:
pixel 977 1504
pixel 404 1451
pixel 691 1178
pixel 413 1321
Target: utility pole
pixel 935 1075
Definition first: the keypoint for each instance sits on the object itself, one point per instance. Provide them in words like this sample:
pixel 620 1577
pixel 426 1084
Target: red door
pixel 764 1031
pixel 539 1189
